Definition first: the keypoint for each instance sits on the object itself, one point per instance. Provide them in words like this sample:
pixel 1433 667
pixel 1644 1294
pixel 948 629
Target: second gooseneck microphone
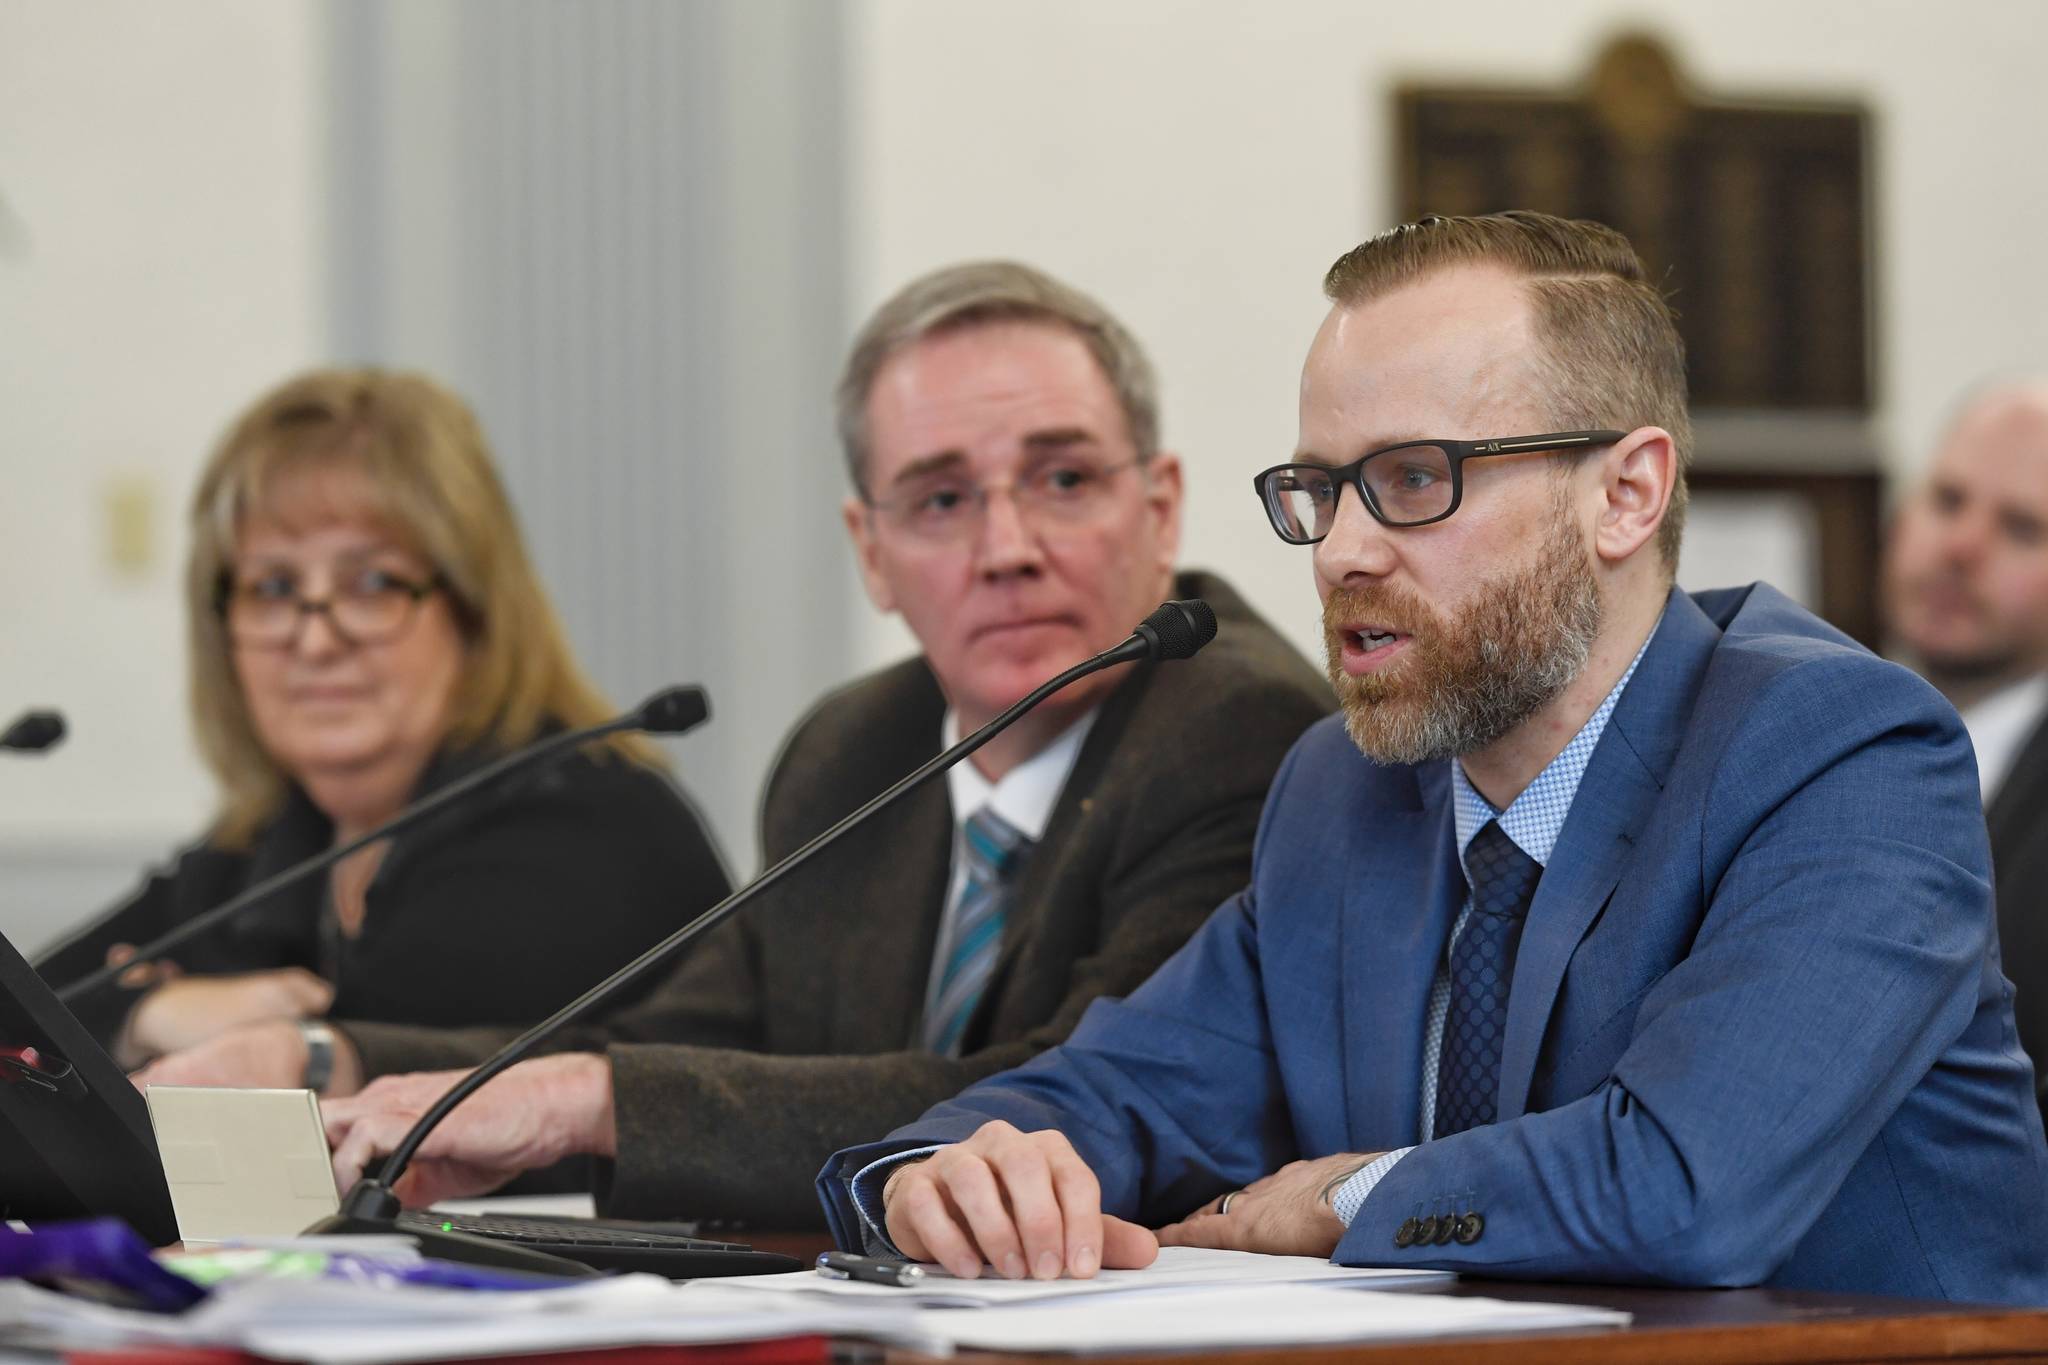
pixel 670 711
pixel 1175 630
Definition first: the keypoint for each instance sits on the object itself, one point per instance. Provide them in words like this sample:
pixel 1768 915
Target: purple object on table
pixel 103 1256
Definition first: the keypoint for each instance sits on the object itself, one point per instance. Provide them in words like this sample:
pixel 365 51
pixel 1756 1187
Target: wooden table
pixel 1714 1326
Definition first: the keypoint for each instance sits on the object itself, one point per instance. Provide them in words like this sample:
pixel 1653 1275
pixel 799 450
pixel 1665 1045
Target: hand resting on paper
pixel 1024 1203
pixel 1027 1204
pixel 1288 1213
pixel 533 1115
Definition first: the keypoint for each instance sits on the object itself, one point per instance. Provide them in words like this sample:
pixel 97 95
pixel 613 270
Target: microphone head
pixel 33 731
pixel 673 710
pixel 1177 629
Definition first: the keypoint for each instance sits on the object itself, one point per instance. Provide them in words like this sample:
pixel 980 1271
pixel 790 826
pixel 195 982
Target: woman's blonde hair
pixel 428 479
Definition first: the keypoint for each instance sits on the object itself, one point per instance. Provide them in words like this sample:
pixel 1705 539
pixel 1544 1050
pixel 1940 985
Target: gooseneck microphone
pixel 1173 631
pixel 670 711
pixel 33 731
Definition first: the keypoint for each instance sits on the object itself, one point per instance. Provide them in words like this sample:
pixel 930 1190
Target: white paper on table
pixel 31 1315
pixel 337 1323
pixel 1261 1315
pixel 546 1205
pixel 1176 1268
pixel 329 1323
pixel 688 1314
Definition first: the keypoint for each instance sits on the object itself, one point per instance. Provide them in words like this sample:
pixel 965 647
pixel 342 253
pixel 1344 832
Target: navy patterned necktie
pixel 1503 881
pixel 992 847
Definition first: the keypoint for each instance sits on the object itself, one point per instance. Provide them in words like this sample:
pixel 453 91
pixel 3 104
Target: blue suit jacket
pixel 1757 1031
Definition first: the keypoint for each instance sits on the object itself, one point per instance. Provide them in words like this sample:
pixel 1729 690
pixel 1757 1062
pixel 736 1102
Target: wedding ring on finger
pixel 1223 1204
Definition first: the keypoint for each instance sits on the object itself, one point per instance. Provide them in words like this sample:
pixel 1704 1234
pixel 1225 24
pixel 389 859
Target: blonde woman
pixel 365 626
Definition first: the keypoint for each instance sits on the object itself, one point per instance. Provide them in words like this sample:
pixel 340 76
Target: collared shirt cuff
pixel 866 1188
pixel 1350 1196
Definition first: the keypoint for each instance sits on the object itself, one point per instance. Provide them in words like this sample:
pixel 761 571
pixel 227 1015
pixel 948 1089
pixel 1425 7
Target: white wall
pixel 1198 163
pixel 160 250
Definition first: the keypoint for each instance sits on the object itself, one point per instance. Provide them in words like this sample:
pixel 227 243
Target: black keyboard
pixel 669 1249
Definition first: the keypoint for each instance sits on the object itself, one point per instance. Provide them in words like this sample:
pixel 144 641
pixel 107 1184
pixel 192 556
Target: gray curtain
pixel 616 228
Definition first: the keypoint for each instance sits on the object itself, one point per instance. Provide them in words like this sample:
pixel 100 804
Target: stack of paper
pixel 1189 1297
pixel 332 1323
pixel 1264 1315
pixel 1178 1268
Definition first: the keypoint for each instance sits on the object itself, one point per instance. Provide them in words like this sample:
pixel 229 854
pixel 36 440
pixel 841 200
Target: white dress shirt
pixel 2000 726
pixel 1024 797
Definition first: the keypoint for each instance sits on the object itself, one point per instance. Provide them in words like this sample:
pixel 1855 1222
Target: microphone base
pixel 455 1246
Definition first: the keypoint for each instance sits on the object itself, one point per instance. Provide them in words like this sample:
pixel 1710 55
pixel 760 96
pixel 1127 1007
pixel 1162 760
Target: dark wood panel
pixel 1752 213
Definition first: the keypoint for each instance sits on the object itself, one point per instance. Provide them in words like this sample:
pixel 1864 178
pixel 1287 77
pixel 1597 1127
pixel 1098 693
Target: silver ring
pixel 1223 1204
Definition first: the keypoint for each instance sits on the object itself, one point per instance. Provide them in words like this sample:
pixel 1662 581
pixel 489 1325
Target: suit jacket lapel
pixel 1397 915
pixel 907 889
pixel 917 882
pixel 1615 797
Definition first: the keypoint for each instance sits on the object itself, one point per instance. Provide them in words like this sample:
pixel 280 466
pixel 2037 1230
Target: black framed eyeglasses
pixel 368 607
pixel 1411 484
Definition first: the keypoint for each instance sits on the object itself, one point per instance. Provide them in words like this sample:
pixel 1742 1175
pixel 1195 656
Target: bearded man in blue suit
pixel 1612 933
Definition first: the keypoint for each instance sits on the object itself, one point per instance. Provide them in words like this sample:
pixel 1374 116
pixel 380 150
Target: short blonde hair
pixel 1611 354
pixel 981 292
pixel 430 482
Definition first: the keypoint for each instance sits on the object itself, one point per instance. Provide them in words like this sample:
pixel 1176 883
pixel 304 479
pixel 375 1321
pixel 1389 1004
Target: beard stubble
pixel 1470 679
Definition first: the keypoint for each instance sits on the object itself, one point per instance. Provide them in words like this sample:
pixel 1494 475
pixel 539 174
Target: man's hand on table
pixel 1288 1213
pixel 1024 1203
pixel 533 1115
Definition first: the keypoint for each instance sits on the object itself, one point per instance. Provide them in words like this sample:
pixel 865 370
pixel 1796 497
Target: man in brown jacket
pixel 1012 503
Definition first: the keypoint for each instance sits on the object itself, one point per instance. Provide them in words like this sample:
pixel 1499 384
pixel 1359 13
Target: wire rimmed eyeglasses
pixel 945 506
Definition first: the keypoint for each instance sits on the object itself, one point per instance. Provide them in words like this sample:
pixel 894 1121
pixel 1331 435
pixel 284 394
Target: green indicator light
pixel 447 1227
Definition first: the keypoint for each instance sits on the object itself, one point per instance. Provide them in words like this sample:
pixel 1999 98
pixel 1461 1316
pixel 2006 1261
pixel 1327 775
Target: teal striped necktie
pixel 992 847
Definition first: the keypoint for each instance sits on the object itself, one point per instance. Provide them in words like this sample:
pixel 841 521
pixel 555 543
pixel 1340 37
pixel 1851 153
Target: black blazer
pixel 2018 817
pixel 501 910
pixel 793 1030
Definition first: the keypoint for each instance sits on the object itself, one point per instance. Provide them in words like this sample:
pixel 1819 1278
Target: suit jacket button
pixel 1470 1227
pixel 1445 1227
pixel 1405 1233
pixel 1425 1231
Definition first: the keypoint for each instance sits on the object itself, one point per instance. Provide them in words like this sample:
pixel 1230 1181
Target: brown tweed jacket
pixel 792 1030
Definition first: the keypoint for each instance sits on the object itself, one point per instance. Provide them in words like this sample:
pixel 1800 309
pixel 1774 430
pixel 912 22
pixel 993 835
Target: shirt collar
pixel 2000 725
pixel 1027 793
pixel 1534 818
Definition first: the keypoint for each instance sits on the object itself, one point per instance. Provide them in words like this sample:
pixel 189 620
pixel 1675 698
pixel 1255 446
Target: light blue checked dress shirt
pixel 1532 820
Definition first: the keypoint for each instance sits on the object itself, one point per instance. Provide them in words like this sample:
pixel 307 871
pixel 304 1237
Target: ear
pixel 1636 478
pixel 1165 489
pixel 860 528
